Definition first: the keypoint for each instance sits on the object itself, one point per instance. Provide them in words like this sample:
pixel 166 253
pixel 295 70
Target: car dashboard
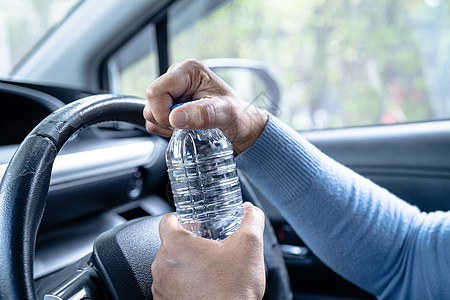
pixel 113 172
pixel 105 174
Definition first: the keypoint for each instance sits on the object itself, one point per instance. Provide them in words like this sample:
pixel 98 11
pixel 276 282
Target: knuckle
pixel 150 93
pixel 251 238
pixel 156 90
pixel 159 269
pixel 192 62
pixel 146 108
pixel 155 291
pixel 195 65
pixel 173 66
pixel 145 114
pixel 156 266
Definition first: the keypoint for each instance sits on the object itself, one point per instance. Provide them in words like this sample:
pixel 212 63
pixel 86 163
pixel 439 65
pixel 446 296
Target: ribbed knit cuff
pixel 281 161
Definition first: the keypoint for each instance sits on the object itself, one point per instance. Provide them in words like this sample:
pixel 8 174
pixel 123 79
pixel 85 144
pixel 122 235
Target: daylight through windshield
pixel 338 63
pixel 23 23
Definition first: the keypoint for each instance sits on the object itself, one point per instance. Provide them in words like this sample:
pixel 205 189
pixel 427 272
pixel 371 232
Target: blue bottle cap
pixel 176 105
pixel 179 104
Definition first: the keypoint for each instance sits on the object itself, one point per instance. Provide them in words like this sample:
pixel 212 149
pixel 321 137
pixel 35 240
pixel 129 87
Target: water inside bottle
pixel 205 183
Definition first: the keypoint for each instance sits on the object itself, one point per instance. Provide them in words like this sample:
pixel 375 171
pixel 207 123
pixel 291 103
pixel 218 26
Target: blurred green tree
pixel 338 63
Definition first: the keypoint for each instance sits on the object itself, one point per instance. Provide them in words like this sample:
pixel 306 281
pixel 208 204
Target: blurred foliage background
pixel 338 63
pixel 23 23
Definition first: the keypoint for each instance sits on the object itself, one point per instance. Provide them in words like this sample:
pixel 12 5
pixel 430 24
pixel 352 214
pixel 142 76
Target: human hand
pixel 192 267
pixel 217 105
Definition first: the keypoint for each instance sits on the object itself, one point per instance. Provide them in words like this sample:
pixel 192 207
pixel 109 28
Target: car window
pixel 135 64
pixel 23 23
pixel 336 63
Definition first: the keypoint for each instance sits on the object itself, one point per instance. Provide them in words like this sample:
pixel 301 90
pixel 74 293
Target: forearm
pixel 357 228
pixel 360 230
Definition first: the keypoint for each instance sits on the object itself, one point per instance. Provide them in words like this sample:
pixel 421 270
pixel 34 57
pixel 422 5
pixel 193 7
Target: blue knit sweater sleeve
pixel 360 230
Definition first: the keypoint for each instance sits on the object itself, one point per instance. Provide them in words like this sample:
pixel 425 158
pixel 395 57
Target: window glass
pixel 23 23
pixel 135 65
pixel 136 78
pixel 337 63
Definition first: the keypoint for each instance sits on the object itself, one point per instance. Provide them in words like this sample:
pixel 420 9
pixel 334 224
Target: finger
pixel 148 115
pixel 153 126
pixel 253 221
pixel 176 84
pixel 160 99
pixel 168 223
pixel 147 112
pixel 158 129
pixel 204 113
pixel 173 66
pixel 169 226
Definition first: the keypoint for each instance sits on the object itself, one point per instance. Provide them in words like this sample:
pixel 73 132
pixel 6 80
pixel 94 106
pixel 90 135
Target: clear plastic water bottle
pixel 205 184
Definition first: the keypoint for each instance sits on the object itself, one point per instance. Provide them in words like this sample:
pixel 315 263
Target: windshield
pixel 23 23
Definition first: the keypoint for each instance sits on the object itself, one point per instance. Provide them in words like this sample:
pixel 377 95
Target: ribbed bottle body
pixel 204 181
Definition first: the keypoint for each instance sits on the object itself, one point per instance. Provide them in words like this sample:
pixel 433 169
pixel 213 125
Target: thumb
pixel 169 225
pixel 253 221
pixel 203 113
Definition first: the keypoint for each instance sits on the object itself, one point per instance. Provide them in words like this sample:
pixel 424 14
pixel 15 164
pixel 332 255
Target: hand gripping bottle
pixel 205 184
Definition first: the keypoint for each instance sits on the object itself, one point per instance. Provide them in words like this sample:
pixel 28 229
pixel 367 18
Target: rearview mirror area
pixel 250 79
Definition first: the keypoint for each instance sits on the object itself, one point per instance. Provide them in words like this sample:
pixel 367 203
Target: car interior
pixel 84 184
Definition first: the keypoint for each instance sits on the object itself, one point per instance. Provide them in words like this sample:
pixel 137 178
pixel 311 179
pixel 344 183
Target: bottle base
pixel 215 229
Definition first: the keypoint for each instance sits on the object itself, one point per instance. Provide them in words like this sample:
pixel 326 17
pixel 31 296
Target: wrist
pixel 252 126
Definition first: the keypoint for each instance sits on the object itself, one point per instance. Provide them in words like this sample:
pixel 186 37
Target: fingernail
pixel 179 119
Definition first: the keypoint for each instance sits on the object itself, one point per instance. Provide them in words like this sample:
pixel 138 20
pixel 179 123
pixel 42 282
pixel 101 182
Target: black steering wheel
pixel 122 256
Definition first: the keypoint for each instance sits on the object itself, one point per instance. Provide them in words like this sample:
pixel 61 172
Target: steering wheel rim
pixel 24 187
